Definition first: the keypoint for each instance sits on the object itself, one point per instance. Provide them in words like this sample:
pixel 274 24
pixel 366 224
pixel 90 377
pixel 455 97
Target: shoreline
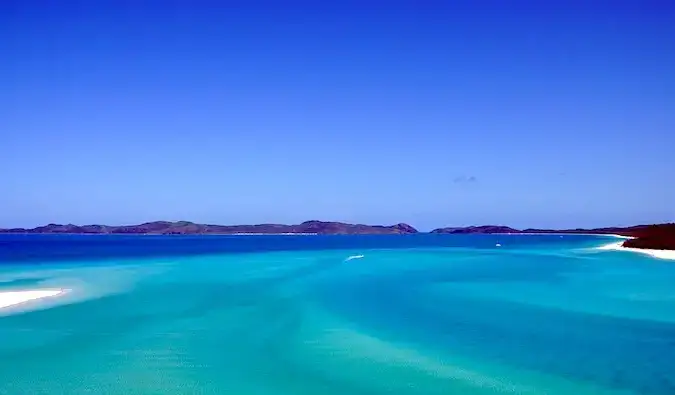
pixel 565 234
pixel 15 298
pixel 618 246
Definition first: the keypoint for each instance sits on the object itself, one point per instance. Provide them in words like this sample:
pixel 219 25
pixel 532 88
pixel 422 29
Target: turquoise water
pixel 423 314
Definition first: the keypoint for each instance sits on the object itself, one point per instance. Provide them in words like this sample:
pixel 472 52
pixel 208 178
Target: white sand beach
pixel 617 246
pixel 11 298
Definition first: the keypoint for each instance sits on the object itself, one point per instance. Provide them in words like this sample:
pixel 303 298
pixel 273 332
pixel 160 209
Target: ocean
pixel 323 315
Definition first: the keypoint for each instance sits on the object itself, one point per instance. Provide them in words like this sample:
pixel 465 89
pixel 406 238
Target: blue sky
pixel 548 114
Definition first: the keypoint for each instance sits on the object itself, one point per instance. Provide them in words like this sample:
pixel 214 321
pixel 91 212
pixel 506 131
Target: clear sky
pixel 542 113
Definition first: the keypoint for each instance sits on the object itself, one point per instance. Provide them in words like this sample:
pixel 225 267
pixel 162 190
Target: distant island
pixel 660 236
pixel 655 237
pixel 191 228
pixel 495 229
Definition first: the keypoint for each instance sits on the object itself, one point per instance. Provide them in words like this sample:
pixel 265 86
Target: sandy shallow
pixel 11 298
pixel 661 254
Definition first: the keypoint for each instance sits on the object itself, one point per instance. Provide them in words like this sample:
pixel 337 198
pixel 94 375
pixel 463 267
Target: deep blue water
pixel 47 248
pixel 417 314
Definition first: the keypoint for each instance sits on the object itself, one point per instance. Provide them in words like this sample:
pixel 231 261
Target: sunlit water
pixel 423 314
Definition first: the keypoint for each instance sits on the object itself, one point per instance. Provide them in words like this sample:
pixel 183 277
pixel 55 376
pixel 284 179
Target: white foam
pixel 354 257
pixel 618 246
pixel 11 298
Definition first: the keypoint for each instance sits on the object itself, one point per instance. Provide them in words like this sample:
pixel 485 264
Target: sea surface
pixel 417 314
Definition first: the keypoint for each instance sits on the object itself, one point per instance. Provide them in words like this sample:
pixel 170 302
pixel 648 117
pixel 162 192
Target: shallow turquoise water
pixel 421 315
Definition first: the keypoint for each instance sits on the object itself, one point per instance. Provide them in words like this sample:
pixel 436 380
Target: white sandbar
pixel 11 298
pixel 661 254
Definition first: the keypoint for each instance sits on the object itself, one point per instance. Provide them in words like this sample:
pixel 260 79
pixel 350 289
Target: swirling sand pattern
pixel 543 319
